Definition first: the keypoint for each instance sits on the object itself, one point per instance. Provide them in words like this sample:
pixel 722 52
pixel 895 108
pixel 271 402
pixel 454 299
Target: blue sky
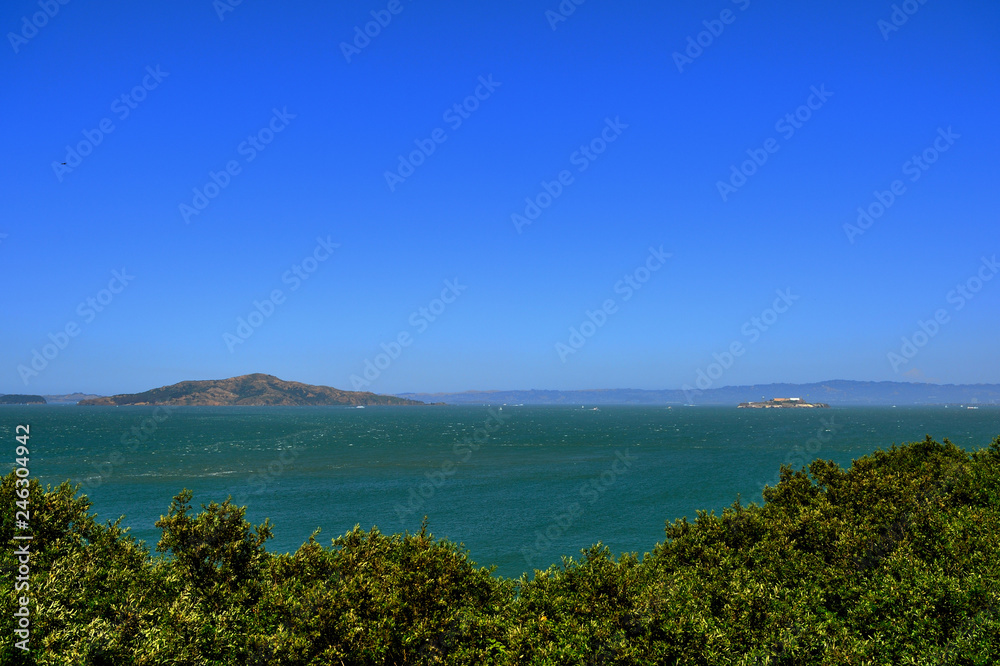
pixel 679 125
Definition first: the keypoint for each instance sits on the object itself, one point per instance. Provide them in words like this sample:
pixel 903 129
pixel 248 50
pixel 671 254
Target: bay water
pixel 519 486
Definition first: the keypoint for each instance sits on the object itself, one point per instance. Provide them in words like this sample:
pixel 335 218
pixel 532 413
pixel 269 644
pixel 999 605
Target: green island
pixel 895 560
pixel 18 399
pixel 256 390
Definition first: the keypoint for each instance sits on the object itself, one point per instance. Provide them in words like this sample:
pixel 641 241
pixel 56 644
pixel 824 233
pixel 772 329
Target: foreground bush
pixel 893 561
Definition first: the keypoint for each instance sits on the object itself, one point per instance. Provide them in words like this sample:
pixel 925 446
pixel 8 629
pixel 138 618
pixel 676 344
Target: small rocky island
pixel 781 403
pixel 17 399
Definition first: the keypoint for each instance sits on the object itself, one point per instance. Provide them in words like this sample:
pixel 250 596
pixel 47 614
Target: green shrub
pixel 893 561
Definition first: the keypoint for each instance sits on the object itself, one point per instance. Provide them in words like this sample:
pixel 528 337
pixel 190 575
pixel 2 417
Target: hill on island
pixel 248 390
pixel 17 399
pixel 69 398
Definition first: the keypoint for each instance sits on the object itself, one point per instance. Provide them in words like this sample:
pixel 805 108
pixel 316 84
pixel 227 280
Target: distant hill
pixel 17 399
pixel 69 398
pixel 248 390
pixel 835 392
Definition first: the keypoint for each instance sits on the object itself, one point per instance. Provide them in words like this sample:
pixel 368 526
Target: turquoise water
pixel 543 481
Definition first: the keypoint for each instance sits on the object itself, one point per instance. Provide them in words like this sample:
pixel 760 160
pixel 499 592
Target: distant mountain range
pixel 836 392
pixel 261 389
pixel 248 390
pixel 69 398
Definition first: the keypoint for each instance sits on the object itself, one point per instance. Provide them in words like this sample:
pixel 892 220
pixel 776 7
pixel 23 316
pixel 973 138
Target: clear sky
pixel 634 127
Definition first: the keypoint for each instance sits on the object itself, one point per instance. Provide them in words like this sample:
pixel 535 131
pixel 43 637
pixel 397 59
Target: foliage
pixel 893 561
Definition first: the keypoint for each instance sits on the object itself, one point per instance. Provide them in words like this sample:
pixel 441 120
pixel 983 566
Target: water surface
pixel 544 481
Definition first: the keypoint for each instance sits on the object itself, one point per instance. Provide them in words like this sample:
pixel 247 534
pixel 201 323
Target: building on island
pixel 781 402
